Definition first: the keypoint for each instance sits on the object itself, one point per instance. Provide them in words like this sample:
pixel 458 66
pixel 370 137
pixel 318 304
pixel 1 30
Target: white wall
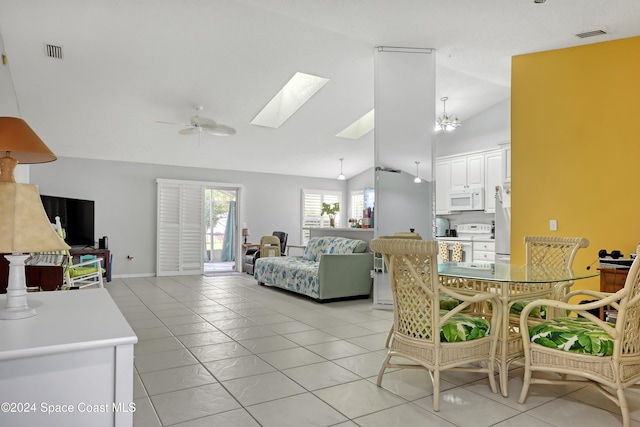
pixel 482 131
pixel 125 200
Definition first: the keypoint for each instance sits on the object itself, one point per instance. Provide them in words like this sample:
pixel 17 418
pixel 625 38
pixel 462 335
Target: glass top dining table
pixel 511 283
pixel 515 273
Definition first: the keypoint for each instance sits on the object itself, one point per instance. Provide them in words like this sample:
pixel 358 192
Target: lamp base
pixel 16 307
pixel 17 313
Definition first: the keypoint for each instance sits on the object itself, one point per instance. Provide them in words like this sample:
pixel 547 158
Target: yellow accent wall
pixel 575 139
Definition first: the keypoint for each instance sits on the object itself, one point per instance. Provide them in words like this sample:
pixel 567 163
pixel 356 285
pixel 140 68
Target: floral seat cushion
pixel 573 334
pixel 518 306
pixel 460 327
pixel 448 303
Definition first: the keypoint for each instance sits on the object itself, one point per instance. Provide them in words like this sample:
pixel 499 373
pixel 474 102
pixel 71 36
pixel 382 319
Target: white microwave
pixel 469 200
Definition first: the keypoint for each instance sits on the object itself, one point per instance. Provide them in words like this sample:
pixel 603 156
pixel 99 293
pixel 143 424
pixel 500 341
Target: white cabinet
pixel 467 172
pixel 75 357
pixel 484 251
pixel 492 178
pixel 443 186
pixel 483 169
pixel 506 162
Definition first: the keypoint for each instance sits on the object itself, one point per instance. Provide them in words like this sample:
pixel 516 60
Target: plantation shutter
pixel 312 201
pixel 357 204
pixel 180 229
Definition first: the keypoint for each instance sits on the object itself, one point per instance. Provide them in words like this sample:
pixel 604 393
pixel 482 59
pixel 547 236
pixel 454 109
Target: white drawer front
pixel 484 246
pixel 479 256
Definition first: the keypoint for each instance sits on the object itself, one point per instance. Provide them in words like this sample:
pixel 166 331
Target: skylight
pixel 359 128
pixel 292 96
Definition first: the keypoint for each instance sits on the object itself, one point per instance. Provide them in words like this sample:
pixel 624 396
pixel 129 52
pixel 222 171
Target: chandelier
pixel 447 122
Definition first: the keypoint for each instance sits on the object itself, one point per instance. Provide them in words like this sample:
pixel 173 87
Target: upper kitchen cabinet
pixel 443 186
pixel 506 162
pixel 492 178
pixel 467 172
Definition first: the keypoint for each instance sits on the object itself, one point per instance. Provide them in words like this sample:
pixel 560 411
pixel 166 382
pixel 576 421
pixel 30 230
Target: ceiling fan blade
pixel 190 131
pixel 203 122
pixel 221 130
pixel 172 123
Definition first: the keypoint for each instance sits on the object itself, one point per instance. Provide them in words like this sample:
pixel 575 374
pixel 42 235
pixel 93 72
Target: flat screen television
pixel 76 216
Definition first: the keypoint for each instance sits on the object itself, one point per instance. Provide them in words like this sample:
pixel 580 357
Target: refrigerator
pixel 503 224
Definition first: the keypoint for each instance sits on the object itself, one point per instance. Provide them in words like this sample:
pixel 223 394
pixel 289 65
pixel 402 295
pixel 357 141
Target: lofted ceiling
pixel 128 64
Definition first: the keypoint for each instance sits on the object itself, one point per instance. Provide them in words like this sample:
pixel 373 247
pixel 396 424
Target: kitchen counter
pixel 464 239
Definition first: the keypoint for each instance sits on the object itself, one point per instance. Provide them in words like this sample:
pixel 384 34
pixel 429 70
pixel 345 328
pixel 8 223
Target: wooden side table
pixel 611 280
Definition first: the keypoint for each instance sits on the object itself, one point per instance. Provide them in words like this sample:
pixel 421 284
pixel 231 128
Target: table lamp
pixel 24 226
pixel 245 234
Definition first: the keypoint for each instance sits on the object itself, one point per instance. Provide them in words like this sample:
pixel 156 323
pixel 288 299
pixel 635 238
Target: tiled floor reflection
pixel 224 351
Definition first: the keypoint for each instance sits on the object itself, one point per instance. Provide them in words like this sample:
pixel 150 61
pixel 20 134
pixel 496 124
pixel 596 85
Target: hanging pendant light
pixel 446 122
pixel 341 177
pixel 417 179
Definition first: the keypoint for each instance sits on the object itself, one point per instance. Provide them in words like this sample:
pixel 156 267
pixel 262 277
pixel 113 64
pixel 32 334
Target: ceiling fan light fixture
pixel 198 125
pixel 447 122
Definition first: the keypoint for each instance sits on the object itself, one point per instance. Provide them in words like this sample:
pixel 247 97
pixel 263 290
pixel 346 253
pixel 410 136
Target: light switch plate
pixel 553 224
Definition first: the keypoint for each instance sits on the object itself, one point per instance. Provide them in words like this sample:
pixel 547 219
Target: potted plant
pixel 331 210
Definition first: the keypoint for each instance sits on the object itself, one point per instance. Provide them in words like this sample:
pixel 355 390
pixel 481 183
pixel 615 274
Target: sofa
pixel 331 268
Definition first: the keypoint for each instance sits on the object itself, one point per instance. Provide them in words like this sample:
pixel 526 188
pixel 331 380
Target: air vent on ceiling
pixel 591 34
pixel 53 51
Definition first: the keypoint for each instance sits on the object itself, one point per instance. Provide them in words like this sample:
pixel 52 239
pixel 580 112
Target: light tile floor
pixel 224 351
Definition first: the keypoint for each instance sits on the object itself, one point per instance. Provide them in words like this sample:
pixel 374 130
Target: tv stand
pixel 105 254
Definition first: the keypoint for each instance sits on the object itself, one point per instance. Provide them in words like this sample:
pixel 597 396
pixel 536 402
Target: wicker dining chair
pixel 431 338
pixel 585 346
pixel 550 251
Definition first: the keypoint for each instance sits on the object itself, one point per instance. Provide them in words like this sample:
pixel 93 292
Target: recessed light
pixel 298 90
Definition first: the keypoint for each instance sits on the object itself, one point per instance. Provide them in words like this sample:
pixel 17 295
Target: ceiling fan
pixel 199 125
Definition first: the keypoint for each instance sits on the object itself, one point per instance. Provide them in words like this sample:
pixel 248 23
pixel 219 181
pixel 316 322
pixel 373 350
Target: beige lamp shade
pixel 245 232
pixel 20 144
pixel 24 226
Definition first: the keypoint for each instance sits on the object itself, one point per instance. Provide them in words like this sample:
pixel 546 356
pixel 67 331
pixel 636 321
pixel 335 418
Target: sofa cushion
pixel 293 273
pixel 319 246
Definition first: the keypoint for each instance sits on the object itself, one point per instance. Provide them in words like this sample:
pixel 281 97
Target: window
pixel 357 204
pixel 312 201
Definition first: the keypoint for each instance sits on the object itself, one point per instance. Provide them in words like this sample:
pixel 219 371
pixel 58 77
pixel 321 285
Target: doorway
pixel 221 219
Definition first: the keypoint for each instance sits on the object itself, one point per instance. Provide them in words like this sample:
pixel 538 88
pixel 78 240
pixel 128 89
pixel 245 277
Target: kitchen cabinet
pixel 483 169
pixel 443 186
pixel 467 172
pixel 506 162
pixel 484 251
pixel 76 353
pixel 492 178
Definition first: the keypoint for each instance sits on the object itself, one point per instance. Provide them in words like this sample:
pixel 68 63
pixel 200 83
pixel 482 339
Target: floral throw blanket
pixel 574 334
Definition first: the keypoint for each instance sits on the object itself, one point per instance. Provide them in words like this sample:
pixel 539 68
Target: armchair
pixel 86 273
pixel 429 337
pixel 586 347
pixel 253 254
